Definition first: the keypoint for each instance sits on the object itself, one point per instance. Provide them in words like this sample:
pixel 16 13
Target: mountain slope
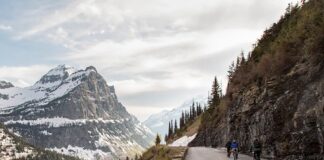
pixel 11 147
pixel 159 122
pixel 74 112
pixel 277 95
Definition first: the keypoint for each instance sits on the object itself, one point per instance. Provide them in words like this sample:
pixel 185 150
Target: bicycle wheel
pixel 235 155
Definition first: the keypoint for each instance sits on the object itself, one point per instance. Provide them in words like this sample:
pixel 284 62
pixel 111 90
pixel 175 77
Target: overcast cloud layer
pixel 156 52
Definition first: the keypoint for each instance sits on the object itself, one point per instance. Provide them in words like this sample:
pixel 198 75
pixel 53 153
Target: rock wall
pixel 286 113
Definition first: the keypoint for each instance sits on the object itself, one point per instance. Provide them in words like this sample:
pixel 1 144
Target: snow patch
pixel 183 141
pixel 45 132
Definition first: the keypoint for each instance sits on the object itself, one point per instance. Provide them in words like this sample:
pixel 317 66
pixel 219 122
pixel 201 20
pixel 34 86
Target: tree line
pixel 187 117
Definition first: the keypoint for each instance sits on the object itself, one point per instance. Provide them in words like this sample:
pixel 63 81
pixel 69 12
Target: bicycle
pixel 256 156
pixel 235 153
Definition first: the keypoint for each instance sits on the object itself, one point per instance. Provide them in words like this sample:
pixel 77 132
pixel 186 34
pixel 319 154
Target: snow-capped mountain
pixel 159 122
pixel 73 112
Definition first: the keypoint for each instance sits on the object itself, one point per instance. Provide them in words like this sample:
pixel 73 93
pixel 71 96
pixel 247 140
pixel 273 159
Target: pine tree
pixel 170 129
pixel 194 113
pixel 215 94
pixel 249 56
pixel 242 58
pixel 182 120
pixel 238 62
pixel 198 110
pixel 187 117
pixel 175 126
pixel 190 113
pixel 157 140
pixel 289 8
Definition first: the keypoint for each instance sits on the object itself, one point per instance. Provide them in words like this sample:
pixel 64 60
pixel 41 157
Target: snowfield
pixel 183 141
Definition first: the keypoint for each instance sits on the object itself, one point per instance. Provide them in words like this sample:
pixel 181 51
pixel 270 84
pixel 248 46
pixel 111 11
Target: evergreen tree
pixel 172 128
pixel 242 58
pixel 238 62
pixel 182 120
pixel 289 8
pixel 190 113
pixel 198 110
pixel 249 56
pixel 169 130
pixel 215 94
pixel 175 126
pixel 187 117
pixel 194 113
pixel 157 140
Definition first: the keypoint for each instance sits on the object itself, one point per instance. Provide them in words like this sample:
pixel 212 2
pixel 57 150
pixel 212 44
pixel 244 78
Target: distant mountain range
pixel 159 122
pixel 73 112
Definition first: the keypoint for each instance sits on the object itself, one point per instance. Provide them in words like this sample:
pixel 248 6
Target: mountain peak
pixel 91 68
pixel 57 75
pixel 54 84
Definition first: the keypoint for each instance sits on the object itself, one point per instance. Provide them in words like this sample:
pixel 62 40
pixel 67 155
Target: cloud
pixel 157 53
pixel 5 27
pixel 23 76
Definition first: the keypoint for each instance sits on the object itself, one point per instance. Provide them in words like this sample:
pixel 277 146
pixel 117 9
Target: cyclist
pixel 235 149
pixel 256 148
pixel 228 147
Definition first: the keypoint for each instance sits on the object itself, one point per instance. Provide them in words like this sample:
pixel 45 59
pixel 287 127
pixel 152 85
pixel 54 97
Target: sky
pixel 157 53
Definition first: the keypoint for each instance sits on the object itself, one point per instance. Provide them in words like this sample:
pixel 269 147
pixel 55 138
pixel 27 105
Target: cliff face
pixel 74 112
pixel 285 108
pixel 286 114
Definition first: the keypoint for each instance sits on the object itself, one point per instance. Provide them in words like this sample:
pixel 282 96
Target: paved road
pixel 203 153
